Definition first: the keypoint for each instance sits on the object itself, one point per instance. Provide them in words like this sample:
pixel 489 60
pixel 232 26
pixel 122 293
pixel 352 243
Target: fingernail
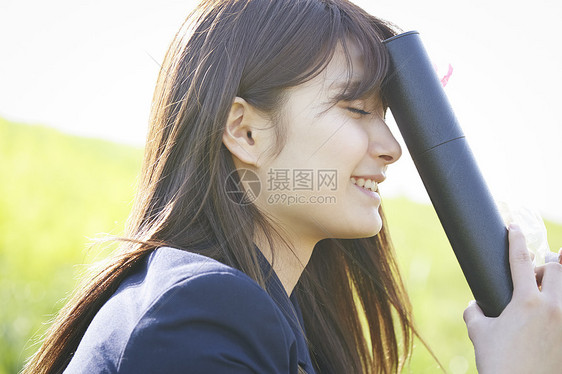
pixel 514 226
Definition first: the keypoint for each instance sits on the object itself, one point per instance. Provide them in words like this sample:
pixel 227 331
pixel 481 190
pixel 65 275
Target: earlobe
pixel 238 135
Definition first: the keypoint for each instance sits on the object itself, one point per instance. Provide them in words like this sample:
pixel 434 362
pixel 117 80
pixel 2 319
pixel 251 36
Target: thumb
pixel 473 318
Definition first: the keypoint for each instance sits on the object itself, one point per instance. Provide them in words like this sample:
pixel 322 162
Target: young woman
pixel 256 243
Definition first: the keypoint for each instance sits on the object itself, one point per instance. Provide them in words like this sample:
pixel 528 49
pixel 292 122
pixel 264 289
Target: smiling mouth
pixel 367 184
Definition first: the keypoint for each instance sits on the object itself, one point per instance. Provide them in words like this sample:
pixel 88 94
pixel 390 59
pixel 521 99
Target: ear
pixel 240 135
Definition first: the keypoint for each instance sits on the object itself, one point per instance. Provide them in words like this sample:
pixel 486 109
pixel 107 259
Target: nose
pixel 383 145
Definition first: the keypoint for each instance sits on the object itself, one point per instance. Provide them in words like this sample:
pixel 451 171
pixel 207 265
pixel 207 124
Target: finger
pixel 472 313
pixel 472 316
pixel 522 271
pixel 551 257
pixel 551 275
pixel 539 272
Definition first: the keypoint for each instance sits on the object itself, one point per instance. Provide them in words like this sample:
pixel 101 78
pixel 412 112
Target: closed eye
pixel 358 111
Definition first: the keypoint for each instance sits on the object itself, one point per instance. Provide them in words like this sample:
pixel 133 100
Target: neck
pixel 289 259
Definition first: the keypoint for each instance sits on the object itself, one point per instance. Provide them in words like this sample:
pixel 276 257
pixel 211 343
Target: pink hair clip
pixel 445 79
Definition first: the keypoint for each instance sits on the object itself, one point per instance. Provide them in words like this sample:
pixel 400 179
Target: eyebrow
pixel 344 87
pixel 338 90
pixel 341 85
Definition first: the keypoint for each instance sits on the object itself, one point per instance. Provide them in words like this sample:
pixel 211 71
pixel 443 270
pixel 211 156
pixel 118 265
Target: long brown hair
pixel 253 49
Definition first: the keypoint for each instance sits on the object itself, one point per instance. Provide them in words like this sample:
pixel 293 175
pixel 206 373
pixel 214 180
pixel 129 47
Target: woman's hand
pixel 527 336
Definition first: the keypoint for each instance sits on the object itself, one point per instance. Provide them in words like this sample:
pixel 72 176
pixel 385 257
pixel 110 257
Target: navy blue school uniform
pixel 186 313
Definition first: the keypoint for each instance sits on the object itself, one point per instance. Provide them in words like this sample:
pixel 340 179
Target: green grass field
pixel 60 191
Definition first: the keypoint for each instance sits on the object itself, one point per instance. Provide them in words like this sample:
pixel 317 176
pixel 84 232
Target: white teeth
pixel 367 184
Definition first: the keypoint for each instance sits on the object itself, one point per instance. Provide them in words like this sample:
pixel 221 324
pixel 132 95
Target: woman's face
pixel 312 185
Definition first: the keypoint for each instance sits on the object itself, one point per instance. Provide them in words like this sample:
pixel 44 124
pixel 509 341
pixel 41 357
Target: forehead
pixel 339 80
pixel 318 96
pixel 342 76
pixel 345 68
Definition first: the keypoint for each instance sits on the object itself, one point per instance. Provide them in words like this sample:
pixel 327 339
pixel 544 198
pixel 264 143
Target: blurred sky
pixel 89 68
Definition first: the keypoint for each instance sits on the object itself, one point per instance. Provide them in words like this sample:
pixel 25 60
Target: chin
pixel 365 232
pixel 352 228
pixel 372 227
pixel 375 231
pixel 376 227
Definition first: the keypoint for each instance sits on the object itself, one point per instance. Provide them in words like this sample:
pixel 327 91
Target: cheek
pixel 331 143
pixel 352 147
pixel 347 155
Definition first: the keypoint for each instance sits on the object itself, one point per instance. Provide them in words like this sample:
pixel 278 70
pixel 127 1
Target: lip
pixel 369 193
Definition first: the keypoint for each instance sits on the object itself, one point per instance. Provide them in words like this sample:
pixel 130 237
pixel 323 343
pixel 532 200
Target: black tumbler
pixel 449 172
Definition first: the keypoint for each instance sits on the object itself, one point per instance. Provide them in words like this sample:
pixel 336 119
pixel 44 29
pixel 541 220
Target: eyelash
pixel 358 111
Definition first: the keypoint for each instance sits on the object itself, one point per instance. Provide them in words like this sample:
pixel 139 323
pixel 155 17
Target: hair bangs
pixel 367 34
